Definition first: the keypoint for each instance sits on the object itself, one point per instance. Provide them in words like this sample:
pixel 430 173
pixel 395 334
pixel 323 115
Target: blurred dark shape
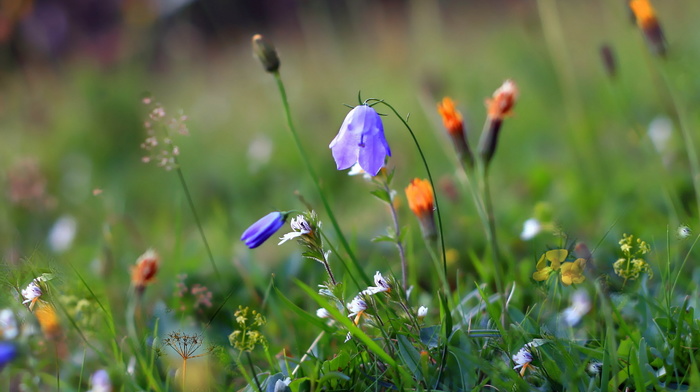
pixel 609 62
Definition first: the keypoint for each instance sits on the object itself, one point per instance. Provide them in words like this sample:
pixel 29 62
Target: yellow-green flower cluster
pixel 631 265
pixel 571 271
pixel 247 336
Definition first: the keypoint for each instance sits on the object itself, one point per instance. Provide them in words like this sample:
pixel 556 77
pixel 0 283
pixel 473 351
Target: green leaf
pixel 383 238
pixel 410 356
pixel 430 336
pixel 382 195
pixel 312 319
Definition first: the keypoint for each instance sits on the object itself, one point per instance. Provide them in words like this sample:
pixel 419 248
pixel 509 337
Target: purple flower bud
pixel 361 140
pixel 261 230
pixel 8 352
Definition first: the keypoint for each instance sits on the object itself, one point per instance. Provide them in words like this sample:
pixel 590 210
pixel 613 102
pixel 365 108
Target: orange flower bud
pixel 145 270
pixel 422 202
pixel 503 100
pixel 451 118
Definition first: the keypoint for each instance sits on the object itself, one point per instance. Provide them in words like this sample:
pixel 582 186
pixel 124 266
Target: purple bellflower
pixel 8 352
pixel 361 140
pixel 263 229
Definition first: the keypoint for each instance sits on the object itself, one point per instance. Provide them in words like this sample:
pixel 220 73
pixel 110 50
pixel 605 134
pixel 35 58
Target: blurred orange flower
pixel 145 270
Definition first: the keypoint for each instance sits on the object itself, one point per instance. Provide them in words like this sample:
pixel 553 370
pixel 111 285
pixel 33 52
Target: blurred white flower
pixel 259 152
pixel 422 312
pixel 100 381
pixel 580 306
pixel 31 293
pixel 660 130
pixel 531 228
pixel 8 325
pixel 62 234
pixel 323 313
pixel 684 232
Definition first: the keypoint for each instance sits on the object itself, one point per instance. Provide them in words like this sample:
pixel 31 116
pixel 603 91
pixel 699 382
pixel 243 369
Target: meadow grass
pixel 127 274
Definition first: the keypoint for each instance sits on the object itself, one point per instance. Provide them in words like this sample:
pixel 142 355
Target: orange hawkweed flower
pixel 646 20
pixel 452 119
pixel 503 100
pixel 422 202
pixel 145 270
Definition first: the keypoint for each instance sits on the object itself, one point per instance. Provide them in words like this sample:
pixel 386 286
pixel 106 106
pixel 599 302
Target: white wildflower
pixel 300 227
pixel 380 285
pixel 357 306
pixel 422 312
pixel 531 228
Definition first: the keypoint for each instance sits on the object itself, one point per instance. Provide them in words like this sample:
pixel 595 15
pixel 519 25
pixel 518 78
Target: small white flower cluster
pixel 300 227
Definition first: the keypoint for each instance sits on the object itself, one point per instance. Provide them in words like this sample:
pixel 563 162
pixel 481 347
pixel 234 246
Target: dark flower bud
pixel 266 53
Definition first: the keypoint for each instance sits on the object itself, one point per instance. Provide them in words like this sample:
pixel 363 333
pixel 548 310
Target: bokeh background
pixel 73 74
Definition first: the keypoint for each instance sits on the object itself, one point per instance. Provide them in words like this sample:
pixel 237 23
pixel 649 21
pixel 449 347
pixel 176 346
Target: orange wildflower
pixel 145 270
pixel 451 118
pixel 503 100
pixel 422 202
pixel 646 20
pixel 644 14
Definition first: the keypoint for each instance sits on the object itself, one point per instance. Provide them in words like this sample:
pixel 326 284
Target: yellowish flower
pixel 555 258
pixel 572 272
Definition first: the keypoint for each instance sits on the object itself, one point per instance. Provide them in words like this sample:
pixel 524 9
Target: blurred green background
pixel 73 76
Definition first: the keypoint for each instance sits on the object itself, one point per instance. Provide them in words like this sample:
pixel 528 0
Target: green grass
pixel 577 146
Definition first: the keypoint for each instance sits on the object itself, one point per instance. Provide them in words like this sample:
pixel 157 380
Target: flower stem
pixel 491 223
pixel 190 202
pixel 184 371
pixel 397 233
pixel 432 183
pixel 255 376
pixel 314 178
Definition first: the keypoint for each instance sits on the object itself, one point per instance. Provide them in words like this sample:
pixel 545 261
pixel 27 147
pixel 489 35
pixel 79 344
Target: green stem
pixel 491 223
pixel 397 233
pixel 432 184
pixel 190 202
pixel 314 177
pixel 255 376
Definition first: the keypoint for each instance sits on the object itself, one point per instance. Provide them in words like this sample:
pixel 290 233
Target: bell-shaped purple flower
pixel 8 352
pixel 263 229
pixel 361 140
